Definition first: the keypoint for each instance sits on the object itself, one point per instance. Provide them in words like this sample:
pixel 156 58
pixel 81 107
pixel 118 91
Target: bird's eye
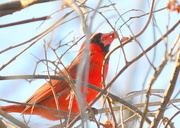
pixel 108 36
pixel 111 36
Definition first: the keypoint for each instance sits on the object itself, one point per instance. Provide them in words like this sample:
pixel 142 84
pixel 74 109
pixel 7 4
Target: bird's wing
pixel 45 91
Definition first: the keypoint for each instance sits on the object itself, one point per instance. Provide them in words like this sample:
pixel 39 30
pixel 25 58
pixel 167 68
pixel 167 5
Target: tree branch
pixel 12 119
pixel 25 21
pixel 168 93
pixel 102 91
pixel 13 6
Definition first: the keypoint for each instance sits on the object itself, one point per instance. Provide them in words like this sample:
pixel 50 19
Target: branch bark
pixel 167 94
pixel 102 91
pixel 13 6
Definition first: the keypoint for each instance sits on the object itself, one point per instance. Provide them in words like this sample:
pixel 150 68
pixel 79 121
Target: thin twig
pixel 139 56
pixel 102 91
pixel 148 20
pixel 2 124
pixel 12 119
pixel 169 121
pixel 168 93
pixel 140 105
pixel 25 21
pixel 41 35
pixel 151 82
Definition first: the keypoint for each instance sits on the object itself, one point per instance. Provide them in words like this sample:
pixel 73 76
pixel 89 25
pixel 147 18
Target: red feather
pixel 99 46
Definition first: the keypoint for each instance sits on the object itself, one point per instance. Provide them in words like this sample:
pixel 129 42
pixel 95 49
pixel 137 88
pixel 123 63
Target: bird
pixel 98 48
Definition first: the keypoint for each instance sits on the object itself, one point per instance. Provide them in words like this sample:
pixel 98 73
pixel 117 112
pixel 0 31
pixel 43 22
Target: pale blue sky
pixel 131 80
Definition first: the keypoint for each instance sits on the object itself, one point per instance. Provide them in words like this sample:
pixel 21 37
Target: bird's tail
pixel 13 108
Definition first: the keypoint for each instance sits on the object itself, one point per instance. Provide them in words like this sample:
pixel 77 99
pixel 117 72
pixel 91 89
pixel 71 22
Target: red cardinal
pixel 98 47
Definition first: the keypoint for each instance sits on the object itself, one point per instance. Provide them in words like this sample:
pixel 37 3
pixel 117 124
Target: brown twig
pixel 148 20
pixel 36 105
pixel 140 55
pixel 38 37
pixel 168 93
pixel 2 124
pixel 169 121
pixel 31 77
pixel 103 91
pixel 13 6
pixel 157 72
pixel 139 16
pixel 152 80
pixel 51 85
pixel 140 105
pixel 25 21
pixel 55 25
pixel 91 86
pixel 12 119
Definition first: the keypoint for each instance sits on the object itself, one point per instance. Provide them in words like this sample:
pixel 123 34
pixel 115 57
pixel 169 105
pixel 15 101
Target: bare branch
pixel 25 21
pixel 12 119
pixel 13 6
pixel 103 91
pixel 168 93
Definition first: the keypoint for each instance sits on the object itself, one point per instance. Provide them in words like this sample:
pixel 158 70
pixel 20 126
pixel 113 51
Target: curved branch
pixel 148 20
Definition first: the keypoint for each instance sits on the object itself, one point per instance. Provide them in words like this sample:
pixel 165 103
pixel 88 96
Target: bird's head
pixel 104 40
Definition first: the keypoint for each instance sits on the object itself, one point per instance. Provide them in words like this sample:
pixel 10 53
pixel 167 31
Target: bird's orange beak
pixel 107 38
